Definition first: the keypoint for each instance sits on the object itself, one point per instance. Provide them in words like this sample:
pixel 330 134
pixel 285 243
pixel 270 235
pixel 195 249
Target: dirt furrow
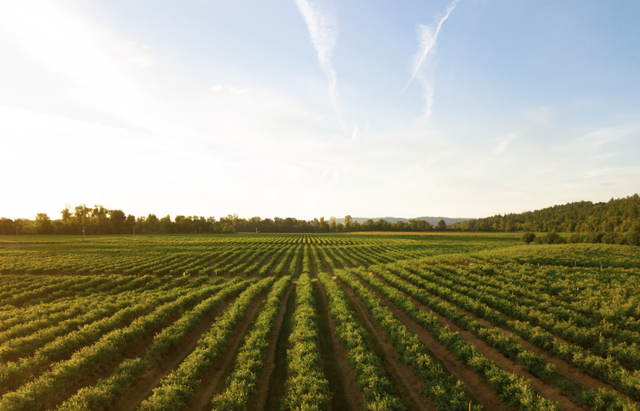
pixel 258 401
pixel 213 381
pixel 548 391
pixel 474 383
pixel 341 377
pixel 408 385
pixel 325 266
pixel 563 368
pixel 132 397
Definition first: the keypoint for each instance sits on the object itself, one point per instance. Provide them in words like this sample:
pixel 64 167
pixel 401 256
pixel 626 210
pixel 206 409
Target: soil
pixel 326 255
pixel 563 368
pixel 546 390
pixel 286 264
pixel 105 371
pixel 342 379
pixel 312 261
pixel 257 401
pixel 404 380
pixel 325 266
pixel 132 397
pixel 272 385
pixel 339 254
pixel 213 381
pixel 473 383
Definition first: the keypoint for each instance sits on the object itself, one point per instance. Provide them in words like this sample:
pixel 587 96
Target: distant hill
pixel 432 220
pixel 617 215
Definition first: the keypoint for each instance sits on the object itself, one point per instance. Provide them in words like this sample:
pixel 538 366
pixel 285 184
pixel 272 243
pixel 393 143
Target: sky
pixel 310 108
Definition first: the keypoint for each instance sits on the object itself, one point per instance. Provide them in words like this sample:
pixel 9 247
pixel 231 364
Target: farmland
pixel 317 321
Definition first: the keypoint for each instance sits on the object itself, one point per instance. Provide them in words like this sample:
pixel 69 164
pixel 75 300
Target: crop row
pixel 306 386
pixel 103 394
pixel 378 392
pixel 177 388
pixel 244 378
pixel 511 388
pixel 496 338
pixel 605 369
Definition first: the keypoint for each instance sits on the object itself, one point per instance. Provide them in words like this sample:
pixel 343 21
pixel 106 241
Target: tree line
pixel 613 222
pixel 100 220
pixel 620 216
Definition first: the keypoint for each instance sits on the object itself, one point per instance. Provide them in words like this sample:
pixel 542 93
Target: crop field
pixel 317 322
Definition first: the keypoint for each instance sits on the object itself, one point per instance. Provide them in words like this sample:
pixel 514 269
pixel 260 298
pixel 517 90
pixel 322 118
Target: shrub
pixel 527 238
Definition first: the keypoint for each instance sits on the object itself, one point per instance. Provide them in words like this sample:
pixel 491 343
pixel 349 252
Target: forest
pixel 617 215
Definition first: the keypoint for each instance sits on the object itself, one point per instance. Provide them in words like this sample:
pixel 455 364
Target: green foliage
pixel 243 380
pixel 377 391
pixel 527 238
pixel 306 386
pixel 619 216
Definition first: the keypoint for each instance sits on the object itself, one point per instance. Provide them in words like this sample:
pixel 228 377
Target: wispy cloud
pixel 322 26
pixel 427 38
pixel 608 135
pixel 505 140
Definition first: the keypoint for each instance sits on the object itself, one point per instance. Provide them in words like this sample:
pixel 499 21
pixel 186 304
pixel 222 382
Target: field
pixel 317 321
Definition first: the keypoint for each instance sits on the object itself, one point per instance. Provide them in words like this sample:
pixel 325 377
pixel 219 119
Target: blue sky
pixel 310 108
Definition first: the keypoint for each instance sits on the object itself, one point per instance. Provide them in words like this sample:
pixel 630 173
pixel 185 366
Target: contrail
pixel 428 40
pixel 324 33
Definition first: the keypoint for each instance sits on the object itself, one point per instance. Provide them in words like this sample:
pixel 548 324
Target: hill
pixel 620 215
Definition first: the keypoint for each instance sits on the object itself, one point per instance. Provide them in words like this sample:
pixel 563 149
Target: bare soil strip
pixel 250 258
pixel 277 361
pixel 147 382
pixel 213 381
pixel 408 385
pixel 286 264
pixel 336 262
pixel 341 377
pixel 548 391
pixel 257 402
pixel 341 257
pixel 563 368
pixel 325 265
pixel 312 261
pixel 474 384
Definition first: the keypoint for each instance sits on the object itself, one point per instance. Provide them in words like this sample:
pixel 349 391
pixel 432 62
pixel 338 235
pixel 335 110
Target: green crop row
pixel 378 392
pixel 244 378
pixel 177 388
pixel 103 394
pixel 306 386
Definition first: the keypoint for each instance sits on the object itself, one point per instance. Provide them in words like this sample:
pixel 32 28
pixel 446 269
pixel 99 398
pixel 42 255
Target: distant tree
pixel 7 226
pixel 441 226
pixel 527 238
pixel 151 224
pixel 129 223
pixel 332 224
pixel 228 229
pixel 347 223
pixel 117 219
pixel 82 215
pixel 368 225
pixel 166 225
pixel 42 224
pixel 255 223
